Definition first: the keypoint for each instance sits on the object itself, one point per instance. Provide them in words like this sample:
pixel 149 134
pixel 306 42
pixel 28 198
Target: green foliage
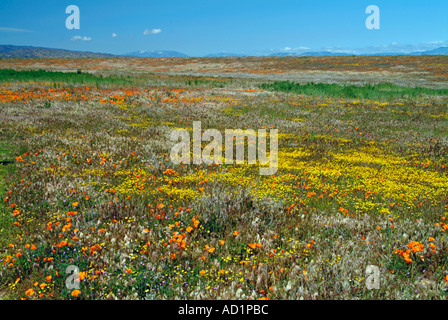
pixel 8 75
pixel 368 91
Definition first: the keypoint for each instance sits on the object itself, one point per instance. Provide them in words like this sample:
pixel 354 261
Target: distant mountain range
pixel 306 54
pixel 23 52
pixel 438 51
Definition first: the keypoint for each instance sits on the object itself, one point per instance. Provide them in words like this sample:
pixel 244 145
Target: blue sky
pixel 199 27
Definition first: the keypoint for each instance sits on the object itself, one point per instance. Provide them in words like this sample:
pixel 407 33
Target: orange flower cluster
pixel 195 222
pixel 169 171
pixel 414 247
pixel 94 249
pixel 442 224
pixel 254 245
pixel 78 93
pixel 68 225
pixel 179 239
pixel 63 243
pixel 9 260
pixel 404 254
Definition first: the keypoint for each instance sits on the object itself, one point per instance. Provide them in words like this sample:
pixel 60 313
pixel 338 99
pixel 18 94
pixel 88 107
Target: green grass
pixel 368 91
pixel 80 77
pixel 8 75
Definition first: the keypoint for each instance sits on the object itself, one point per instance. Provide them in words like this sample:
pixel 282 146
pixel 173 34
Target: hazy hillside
pixel 21 52
pixel 438 51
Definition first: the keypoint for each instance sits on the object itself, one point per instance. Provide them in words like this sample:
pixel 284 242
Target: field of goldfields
pixel 86 179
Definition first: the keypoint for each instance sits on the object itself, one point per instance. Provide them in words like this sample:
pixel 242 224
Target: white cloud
pixel 437 42
pixel 153 31
pixel 114 35
pixel 4 29
pixel 80 38
pixel 339 50
pixel 291 50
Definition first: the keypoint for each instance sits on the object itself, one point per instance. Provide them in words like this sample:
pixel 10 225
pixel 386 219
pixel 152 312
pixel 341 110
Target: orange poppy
pixel 29 292
pixel 76 293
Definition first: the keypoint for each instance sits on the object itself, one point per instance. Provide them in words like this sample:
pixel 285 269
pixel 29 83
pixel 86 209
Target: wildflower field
pixel 86 179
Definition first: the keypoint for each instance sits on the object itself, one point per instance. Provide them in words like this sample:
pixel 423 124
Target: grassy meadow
pixel 86 180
